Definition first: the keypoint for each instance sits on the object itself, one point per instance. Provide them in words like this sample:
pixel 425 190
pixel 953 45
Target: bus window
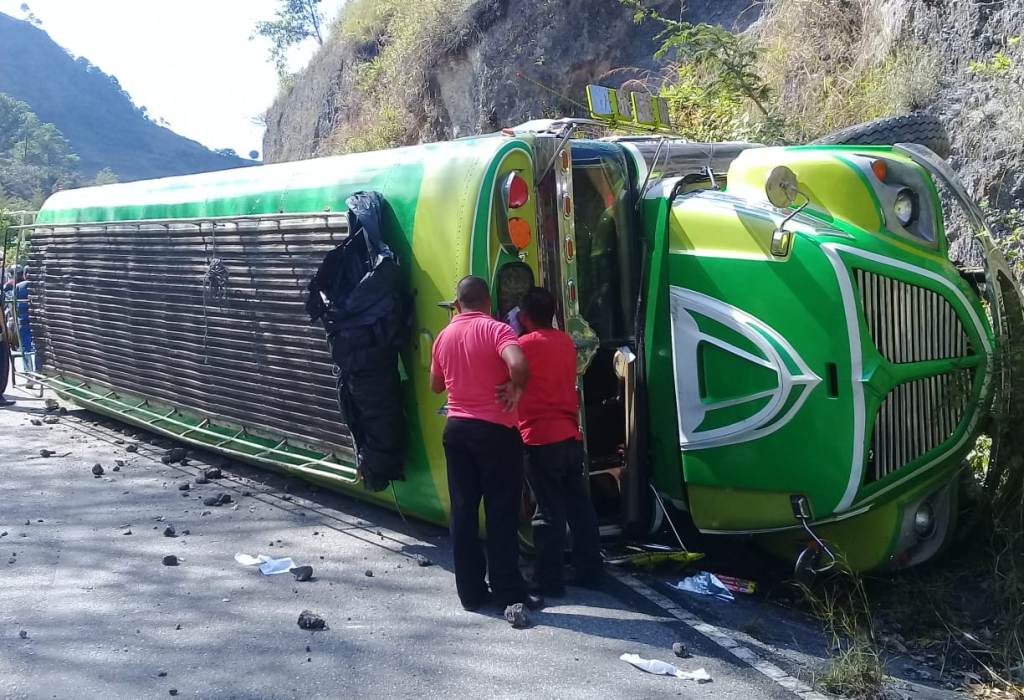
pixel 605 249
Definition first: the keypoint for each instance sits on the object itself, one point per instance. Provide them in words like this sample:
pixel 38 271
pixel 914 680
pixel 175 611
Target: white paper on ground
pixel 268 565
pixel 705 583
pixel 663 668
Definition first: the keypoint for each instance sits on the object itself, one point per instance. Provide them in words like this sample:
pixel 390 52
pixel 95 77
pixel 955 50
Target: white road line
pixel 722 638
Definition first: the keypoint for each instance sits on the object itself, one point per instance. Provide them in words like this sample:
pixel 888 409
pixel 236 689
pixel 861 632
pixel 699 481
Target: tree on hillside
pixel 35 158
pixel 294 22
pixel 105 177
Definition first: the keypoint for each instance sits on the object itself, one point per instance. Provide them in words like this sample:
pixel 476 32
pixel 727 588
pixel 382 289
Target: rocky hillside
pixel 483 64
pixel 99 119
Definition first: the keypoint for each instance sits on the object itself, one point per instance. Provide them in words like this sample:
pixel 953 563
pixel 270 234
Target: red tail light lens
pixel 517 191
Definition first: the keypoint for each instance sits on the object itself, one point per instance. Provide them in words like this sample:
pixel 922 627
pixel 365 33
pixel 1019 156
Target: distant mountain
pixel 94 113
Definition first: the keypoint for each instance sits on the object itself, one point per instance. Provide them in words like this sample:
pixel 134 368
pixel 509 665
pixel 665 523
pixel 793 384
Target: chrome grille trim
pixel 908 323
pixel 915 418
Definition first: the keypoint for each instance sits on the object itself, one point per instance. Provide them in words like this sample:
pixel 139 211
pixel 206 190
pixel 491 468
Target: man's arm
pixel 436 382
pixel 518 372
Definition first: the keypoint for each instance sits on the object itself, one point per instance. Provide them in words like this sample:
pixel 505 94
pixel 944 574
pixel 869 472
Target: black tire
pixel 917 127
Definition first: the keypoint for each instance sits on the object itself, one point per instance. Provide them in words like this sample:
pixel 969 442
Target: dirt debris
pixel 309 620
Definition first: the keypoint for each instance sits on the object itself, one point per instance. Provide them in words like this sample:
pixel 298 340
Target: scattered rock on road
pixel 201 479
pixel 302 573
pixel 51 404
pixel 680 650
pixel 116 468
pixel 169 531
pixel 51 420
pixel 36 421
pixel 185 486
pixel 421 560
pixel 46 453
pixel 369 573
pixel 212 473
pixel 211 501
pixel 309 620
pixel 23 634
pixel 97 469
pixel 516 616
pixel 175 454
pixel 132 447
pixel 170 560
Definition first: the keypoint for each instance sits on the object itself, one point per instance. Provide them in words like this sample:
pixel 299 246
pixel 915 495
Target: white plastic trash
pixel 705 583
pixel 268 565
pixel 663 668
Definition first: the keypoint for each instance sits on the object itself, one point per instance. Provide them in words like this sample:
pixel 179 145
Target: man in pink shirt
pixel 472 357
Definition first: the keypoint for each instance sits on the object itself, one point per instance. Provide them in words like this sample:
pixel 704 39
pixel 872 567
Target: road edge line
pixel 721 638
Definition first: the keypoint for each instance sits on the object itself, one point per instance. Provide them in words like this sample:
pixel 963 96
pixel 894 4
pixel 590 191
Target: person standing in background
pixel 472 357
pixel 555 468
pixel 21 295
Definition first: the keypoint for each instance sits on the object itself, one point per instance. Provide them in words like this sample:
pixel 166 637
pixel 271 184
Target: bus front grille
pixel 910 323
pixel 915 418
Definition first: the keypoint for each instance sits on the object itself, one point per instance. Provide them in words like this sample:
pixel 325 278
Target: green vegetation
pixel 400 41
pixel 35 158
pixel 294 22
pixel 803 71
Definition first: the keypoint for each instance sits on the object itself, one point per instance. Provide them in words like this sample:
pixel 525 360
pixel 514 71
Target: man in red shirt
pixel 549 424
pixel 472 357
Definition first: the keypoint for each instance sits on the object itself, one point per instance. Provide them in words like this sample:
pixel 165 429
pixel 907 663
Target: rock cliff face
pixel 519 60
pixel 559 46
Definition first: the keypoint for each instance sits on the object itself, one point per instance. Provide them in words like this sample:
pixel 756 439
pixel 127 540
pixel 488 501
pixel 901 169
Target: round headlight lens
pixel 924 520
pixel 905 206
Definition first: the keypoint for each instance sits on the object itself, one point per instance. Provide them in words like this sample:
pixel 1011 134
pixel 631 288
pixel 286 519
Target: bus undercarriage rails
pixel 774 339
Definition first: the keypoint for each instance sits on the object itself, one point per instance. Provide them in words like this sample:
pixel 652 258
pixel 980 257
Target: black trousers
pixel 485 460
pixel 558 478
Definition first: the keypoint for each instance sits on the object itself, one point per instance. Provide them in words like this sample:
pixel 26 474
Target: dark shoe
pixel 533 601
pixel 476 604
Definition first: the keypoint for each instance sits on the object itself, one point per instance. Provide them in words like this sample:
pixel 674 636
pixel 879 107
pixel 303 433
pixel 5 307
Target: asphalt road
pixel 88 610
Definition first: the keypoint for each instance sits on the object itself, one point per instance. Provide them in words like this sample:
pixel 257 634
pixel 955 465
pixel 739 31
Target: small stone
pixel 369 573
pixel 97 469
pixel 185 461
pixel 421 560
pixel 307 649
pixel 169 531
pixel 36 421
pixel 680 650
pixel 173 691
pixel 162 674
pixel 132 447
pixel 119 462
pixel 46 453
pixel 211 501
pixel 212 473
pixel 309 620
pixel 286 497
pixel 302 573
pixel 23 634
pixel 3 534
pixel 223 499
pixel 184 486
pixel 247 494
pixel 185 532
pixel 201 479
pixel 51 404
pixel 127 532
pixel 116 468
pixel 175 454
pixel 51 420
pixel 170 560
pixel 177 626
pixel 516 616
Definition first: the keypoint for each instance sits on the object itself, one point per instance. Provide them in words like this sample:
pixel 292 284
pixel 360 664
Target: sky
pixel 189 62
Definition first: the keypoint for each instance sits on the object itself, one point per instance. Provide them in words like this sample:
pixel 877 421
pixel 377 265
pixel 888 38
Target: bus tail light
pixel 517 191
pixel 519 231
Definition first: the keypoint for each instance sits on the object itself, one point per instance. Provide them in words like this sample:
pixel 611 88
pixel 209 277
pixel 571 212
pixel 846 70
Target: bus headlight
pixel 924 520
pixel 905 206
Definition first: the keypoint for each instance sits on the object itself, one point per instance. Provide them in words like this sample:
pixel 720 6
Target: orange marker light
pixel 565 160
pixel 879 168
pixel 520 233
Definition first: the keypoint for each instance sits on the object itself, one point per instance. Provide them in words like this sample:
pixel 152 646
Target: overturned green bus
pixel 774 340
